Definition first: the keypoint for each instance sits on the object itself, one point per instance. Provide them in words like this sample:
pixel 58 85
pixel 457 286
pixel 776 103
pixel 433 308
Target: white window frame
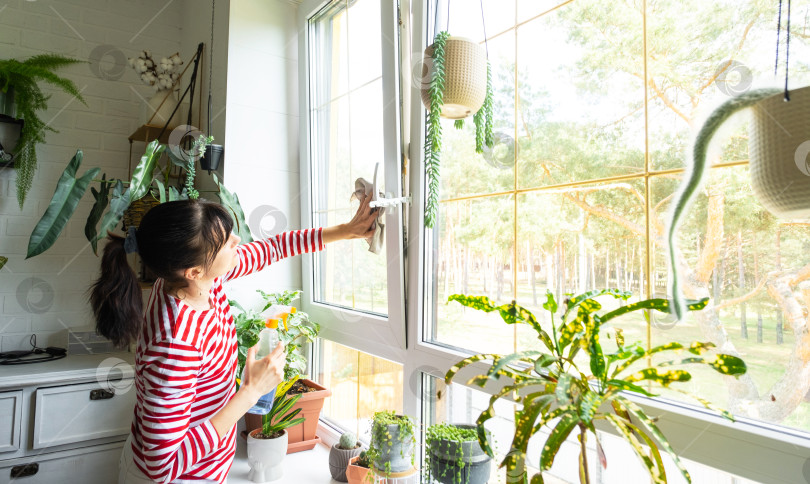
pixel 382 336
pixel 748 448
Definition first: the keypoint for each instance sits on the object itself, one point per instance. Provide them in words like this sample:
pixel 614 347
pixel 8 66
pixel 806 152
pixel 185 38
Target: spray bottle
pixel 268 340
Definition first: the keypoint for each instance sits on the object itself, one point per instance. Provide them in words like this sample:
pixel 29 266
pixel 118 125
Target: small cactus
pixel 348 441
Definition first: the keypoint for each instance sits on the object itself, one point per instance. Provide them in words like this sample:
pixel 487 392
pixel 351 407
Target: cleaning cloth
pixel 363 188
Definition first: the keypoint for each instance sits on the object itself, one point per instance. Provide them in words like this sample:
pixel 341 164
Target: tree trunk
pixel 741 284
pixel 532 279
pixel 465 278
pixel 759 311
pixel 779 269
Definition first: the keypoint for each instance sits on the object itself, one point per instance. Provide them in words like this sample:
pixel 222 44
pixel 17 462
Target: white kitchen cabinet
pixel 65 420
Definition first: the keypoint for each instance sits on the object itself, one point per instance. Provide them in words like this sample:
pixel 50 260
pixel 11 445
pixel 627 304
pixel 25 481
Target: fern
pixel 21 78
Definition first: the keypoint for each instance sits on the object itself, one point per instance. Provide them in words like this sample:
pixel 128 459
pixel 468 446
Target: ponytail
pixel 116 296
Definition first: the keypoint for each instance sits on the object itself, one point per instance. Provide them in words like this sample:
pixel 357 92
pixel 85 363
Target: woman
pixel 184 428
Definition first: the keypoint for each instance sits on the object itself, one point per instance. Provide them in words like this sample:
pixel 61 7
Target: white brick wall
pixel 47 294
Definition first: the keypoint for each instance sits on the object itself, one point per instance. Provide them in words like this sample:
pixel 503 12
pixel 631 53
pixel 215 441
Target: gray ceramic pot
pixel 339 461
pixel 445 463
pixel 399 453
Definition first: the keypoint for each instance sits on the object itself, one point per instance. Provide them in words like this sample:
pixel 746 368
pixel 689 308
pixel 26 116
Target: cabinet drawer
pixel 75 413
pixel 10 414
pixel 90 465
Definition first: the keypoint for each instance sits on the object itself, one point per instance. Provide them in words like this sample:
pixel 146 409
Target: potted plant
pixel 454 456
pixel 457 82
pixel 161 76
pixel 298 332
pixel 392 442
pixel 21 97
pixel 359 469
pixel 557 391
pixel 341 453
pixel 267 445
pixel 113 197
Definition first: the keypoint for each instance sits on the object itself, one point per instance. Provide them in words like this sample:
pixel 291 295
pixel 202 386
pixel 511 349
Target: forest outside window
pixel 575 194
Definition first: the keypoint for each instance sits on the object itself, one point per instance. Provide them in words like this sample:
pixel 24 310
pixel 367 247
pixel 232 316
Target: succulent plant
pixel 348 441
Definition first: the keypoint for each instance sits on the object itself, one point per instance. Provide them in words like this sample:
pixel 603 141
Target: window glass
pixel 576 193
pixel 346 136
pixel 361 384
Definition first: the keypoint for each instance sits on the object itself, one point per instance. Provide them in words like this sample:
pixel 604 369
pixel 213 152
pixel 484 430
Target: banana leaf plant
pixel 114 196
pixel 558 392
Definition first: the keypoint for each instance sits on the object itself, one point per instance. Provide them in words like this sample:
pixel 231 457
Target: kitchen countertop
pixel 310 466
pixel 69 369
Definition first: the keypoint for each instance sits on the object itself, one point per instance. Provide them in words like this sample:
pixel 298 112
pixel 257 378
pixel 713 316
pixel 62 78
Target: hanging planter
pixel 465 77
pixel 460 85
pixel 212 157
pixel 778 148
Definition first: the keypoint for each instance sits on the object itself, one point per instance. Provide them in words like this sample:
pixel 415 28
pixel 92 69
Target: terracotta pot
pixel 302 436
pixel 356 474
pixel 265 457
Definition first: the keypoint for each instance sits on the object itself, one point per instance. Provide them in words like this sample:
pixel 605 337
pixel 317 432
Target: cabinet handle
pixel 25 470
pixel 101 394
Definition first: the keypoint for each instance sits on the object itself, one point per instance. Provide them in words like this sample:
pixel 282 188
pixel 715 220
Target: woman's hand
pixel 361 226
pixel 263 375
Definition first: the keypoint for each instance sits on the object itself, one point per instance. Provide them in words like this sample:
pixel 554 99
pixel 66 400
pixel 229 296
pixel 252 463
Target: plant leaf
pixel 3 261
pixel 656 432
pixel 564 426
pixel 626 431
pixel 69 190
pixel 118 204
pixel 142 175
pixel 231 202
pixel 629 387
pixel 658 304
pixel 664 378
pixel 161 191
pixel 102 198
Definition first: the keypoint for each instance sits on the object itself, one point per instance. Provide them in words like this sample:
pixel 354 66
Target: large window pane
pixel 580 115
pixel 754 268
pixel 361 384
pixel 729 49
pixel 474 257
pixel 346 144
pixel 573 240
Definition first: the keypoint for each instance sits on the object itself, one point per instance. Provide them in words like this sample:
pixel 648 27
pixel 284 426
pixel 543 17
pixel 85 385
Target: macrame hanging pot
pixel 778 146
pixel 465 71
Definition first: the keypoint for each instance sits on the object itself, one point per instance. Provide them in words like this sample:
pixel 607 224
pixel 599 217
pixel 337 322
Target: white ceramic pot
pixel 465 77
pixel 265 457
pixel 779 147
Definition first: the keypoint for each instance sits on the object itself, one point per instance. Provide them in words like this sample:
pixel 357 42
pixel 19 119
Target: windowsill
pixel 311 466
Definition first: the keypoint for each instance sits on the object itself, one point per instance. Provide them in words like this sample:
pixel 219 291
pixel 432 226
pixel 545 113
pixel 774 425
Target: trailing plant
pixel 298 330
pixel 434 436
pixel 483 119
pixel 557 391
pixel 20 79
pixel 115 195
pixel 381 437
pixel 281 416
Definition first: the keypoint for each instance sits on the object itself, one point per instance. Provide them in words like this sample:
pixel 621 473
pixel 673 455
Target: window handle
pixel 386 201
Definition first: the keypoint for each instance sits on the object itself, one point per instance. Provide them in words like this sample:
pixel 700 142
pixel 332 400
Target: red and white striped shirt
pixel 185 367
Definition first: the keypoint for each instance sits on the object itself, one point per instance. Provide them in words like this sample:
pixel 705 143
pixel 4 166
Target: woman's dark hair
pixel 172 237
